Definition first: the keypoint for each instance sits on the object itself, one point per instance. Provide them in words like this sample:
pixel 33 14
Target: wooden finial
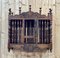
pixel 50 11
pixel 19 10
pixel 29 7
pixel 40 10
pixel 10 12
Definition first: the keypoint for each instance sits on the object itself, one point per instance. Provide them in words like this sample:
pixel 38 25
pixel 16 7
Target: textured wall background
pixel 14 4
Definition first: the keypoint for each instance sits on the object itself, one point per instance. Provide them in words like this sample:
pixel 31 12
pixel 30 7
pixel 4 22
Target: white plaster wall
pixel 57 30
pixel 35 7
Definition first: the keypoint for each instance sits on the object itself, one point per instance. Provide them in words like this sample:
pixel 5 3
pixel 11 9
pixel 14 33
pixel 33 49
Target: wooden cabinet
pixel 30 30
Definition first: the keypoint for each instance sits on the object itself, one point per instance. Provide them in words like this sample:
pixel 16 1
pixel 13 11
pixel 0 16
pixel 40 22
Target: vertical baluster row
pixel 26 28
pixel 45 39
pixel 50 31
pixel 38 32
pixel 29 30
pixel 10 31
pixel 45 31
pixel 42 32
pixel 14 33
pixel 17 31
pixel 48 41
pixel 20 30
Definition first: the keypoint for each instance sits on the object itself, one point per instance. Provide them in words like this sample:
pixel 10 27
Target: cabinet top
pixel 30 14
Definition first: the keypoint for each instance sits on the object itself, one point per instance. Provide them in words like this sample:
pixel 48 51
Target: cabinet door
pixel 45 31
pixel 28 28
pixel 15 28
